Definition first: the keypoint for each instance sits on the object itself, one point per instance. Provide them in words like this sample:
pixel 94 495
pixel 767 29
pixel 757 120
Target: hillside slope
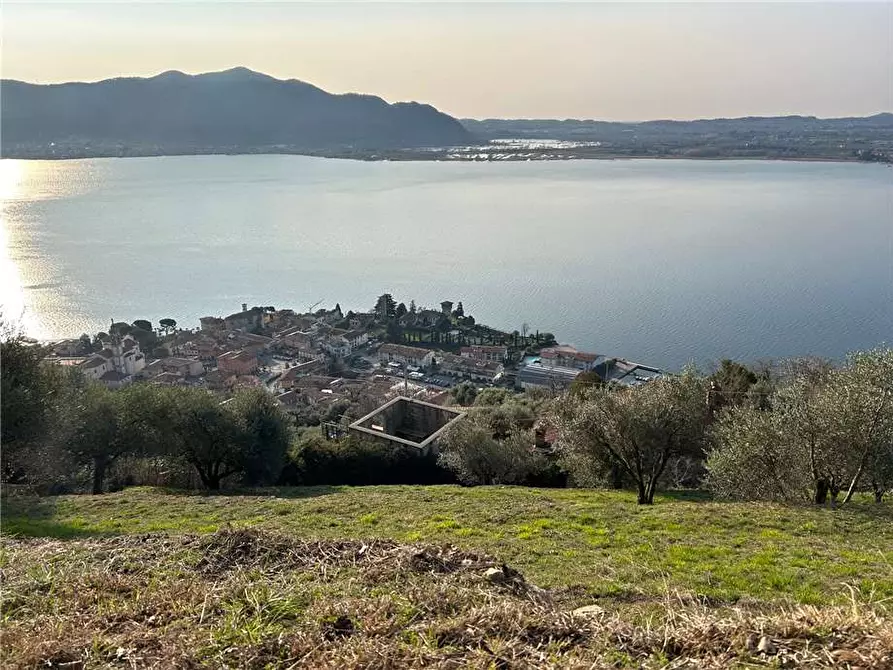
pixel 231 110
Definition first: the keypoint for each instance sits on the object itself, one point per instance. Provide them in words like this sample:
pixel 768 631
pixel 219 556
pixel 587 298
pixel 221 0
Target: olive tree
pixel 100 426
pixel 636 430
pixel 475 456
pixel 246 435
pixel 826 431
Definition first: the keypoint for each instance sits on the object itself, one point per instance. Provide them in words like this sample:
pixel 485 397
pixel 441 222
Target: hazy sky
pixel 513 59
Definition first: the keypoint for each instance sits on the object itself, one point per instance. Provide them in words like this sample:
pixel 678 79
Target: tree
pixel 469 450
pixel 394 333
pixel 85 345
pixel 385 307
pixel 400 311
pixel 147 339
pixel 142 324
pixel 636 429
pixel 492 397
pixel 167 325
pixel 120 329
pixel 459 312
pixel 464 393
pixel 206 436
pixel 265 435
pixel 29 393
pixel 412 307
pixel 734 384
pixel 585 381
pixel 825 432
pixel 101 426
pixel 246 435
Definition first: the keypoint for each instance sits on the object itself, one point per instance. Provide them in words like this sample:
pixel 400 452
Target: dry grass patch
pixel 253 599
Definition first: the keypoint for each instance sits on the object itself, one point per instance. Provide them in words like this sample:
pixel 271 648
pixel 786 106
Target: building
pixel 237 363
pixel 356 337
pixel 121 356
pixel 485 353
pixel 246 320
pixel 625 373
pixel 537 375
pixel 289 378
pixel 296 338
pixel 211 324
pixel 114 379
pixel 564 356
pixel 405 422
pixel 470 368
pixel 168 379
pixel 336 345
pixel 183 367
pixel 405 355
pixel 216 380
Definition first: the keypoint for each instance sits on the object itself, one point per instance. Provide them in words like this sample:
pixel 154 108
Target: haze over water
pixel 663 262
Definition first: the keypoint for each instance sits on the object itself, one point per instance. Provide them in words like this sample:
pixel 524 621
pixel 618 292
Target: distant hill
pixel 591 130
pixel 235 110
pixel 778 137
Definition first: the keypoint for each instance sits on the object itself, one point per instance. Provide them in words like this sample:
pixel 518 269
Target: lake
pixel 659 261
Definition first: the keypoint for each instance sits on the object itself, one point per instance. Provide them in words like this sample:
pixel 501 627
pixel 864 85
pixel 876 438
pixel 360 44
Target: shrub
pixel 313 460
pixel 470 450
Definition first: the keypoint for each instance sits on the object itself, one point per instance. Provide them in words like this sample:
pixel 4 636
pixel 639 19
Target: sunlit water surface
pixel 660 261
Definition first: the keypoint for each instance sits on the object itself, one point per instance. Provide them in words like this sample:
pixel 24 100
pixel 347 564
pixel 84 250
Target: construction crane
pixel 314 305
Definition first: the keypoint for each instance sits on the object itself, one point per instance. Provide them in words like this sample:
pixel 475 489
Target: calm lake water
pixel 658 261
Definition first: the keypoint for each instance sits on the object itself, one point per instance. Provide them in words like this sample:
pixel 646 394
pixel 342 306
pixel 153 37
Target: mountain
pixel 234 110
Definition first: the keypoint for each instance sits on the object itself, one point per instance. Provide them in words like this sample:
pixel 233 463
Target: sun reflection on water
pixel 13 303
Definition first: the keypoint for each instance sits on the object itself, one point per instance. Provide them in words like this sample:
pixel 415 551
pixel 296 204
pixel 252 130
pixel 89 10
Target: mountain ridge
pixel 235 109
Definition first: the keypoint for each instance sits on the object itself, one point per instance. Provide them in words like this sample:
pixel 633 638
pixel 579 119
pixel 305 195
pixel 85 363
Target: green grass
pixel 597 542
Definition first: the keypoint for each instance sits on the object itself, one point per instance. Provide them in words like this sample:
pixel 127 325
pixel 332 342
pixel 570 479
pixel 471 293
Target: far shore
pixel 427 156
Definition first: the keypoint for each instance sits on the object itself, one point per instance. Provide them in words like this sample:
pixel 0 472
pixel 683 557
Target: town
pixel 331 367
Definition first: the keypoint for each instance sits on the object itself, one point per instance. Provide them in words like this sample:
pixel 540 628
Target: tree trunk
pixel 642 494
pixel 99 466
pixel 821 491
pixel 616 477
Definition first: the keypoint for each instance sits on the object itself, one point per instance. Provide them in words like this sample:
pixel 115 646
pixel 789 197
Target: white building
pixel 116 364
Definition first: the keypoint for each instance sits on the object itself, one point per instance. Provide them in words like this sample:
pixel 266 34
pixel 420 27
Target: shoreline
pixel 421 158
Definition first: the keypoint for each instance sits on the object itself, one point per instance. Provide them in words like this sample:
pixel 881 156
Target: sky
pixel 631 61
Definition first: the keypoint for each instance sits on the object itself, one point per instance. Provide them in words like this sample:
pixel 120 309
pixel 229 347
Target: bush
pixel 470 450
pixel 313 461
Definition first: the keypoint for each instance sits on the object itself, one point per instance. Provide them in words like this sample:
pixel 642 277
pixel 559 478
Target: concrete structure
pixel 485 353
pixel 407 423
pixel 237 362
pixel 400 353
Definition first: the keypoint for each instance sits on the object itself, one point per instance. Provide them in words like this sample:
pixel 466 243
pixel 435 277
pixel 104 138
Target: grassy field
pixel 333 576
pixel 598 540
